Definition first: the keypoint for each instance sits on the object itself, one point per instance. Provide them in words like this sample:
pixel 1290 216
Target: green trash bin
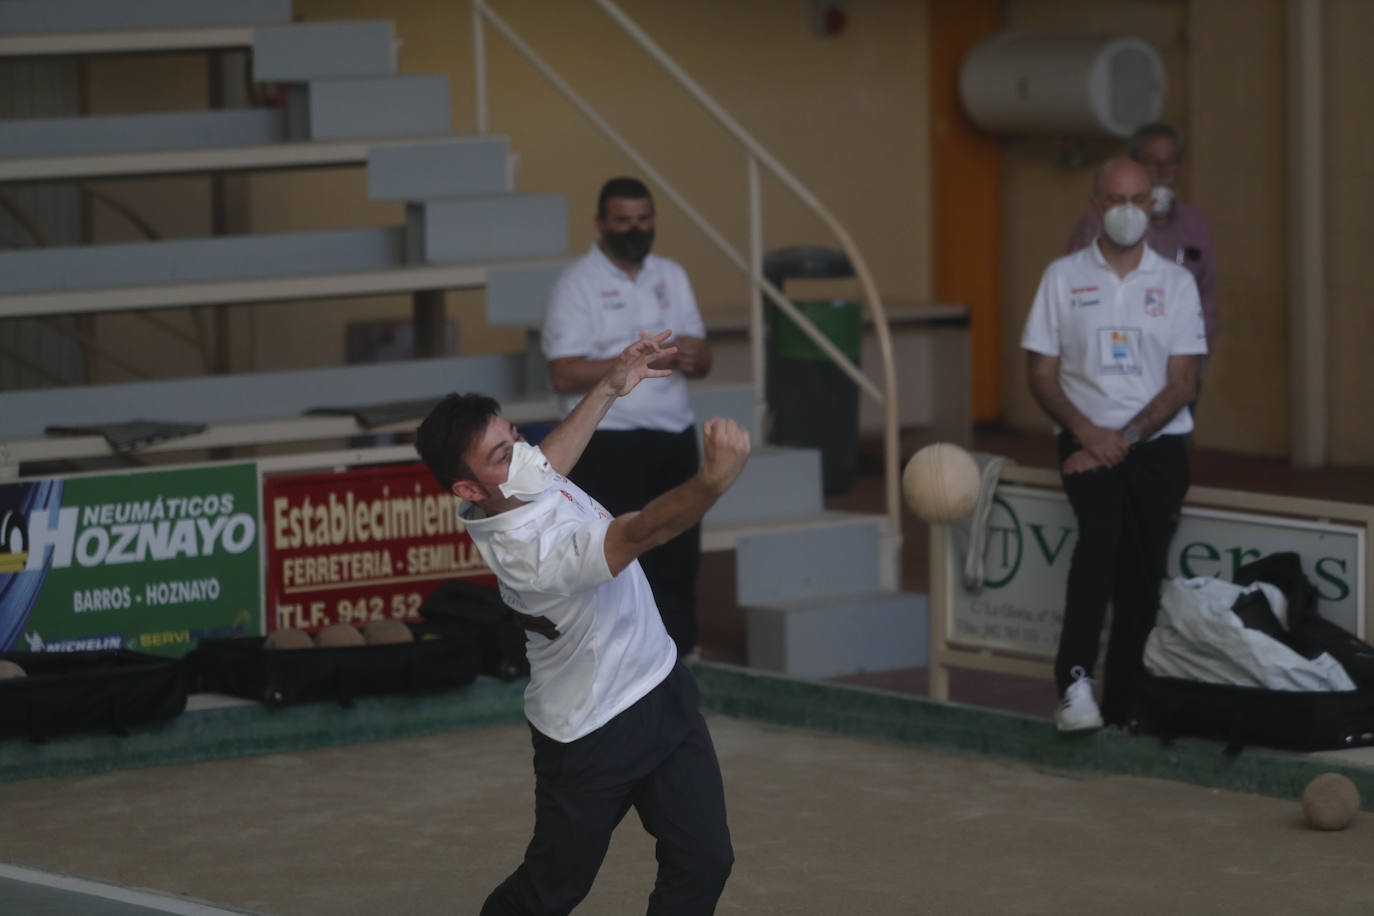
pixel 840 321
pixel 813 402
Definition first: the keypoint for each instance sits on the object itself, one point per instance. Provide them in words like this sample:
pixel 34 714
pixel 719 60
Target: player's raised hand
pixel 726 444
pixel 634 364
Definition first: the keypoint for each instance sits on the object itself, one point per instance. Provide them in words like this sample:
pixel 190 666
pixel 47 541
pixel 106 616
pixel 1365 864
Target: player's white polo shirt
pixel 549 556
pixel 596 311
pixel 1114 335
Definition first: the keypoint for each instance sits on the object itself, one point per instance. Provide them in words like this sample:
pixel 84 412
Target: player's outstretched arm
pixel 727 449
pixel 564 445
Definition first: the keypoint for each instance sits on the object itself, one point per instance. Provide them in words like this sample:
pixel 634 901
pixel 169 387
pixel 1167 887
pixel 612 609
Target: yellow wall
pixel 1238 134
pixel 1349 199
pixel 846 115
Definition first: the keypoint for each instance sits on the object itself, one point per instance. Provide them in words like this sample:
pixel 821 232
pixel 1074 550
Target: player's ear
pixel 469 490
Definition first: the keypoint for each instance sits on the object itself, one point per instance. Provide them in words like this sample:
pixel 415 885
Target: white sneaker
pixel 1078 710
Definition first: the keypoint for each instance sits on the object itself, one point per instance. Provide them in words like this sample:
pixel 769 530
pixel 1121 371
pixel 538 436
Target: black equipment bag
pixel 1291 719
pixel 243 667
pixel 476 613
pixel 1299 720
pixel 106 691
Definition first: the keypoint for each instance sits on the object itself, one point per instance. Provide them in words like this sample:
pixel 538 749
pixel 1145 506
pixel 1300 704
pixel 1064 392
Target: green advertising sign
pixel 151 561
pixel 1029 546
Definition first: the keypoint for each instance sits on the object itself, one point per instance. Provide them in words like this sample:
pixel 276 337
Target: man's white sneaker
pixel 1078 710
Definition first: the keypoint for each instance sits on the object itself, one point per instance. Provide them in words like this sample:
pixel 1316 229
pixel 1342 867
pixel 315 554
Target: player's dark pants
pixel 1126 517
pixel 625 469
pixel 655 756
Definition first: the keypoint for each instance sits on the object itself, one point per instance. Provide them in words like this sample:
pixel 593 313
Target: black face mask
pixel 631 245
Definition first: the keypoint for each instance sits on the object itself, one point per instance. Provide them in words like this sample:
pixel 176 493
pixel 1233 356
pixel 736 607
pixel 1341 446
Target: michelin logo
pixel 80 644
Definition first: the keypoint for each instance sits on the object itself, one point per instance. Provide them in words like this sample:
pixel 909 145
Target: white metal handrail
pixel 752 266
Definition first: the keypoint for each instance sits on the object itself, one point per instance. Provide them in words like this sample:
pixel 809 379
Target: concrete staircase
pixel 819 587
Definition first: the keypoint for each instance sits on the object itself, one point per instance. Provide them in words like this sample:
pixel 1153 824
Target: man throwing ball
pixel 613 715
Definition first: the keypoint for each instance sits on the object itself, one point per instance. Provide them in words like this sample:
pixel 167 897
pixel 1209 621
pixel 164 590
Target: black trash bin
pixel 813 403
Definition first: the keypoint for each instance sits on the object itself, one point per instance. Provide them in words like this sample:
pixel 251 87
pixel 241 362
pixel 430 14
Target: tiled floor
pixel 723 625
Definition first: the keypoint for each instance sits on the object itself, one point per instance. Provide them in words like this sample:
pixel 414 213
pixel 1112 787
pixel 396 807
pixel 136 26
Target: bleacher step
pixel 133 41
pixel 727 535
pixel 40 17
pixel 517 298
pixel 346 108
pixel 198 260
pixel 259 396
pixel 463 165
pixel 724 399
pixel 501 228
pixel 486 227
pixel 840 634
pixel 787 565
pixel 276 153
pixel 93 135
pixel 314 50
pixel 777 482
pixel 335 284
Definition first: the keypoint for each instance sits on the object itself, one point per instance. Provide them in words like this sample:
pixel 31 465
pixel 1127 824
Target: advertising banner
pixel 149 560
pixel 1031 536
pixel 361 545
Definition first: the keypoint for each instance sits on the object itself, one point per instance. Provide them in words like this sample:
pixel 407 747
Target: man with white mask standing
pixel 1177 230
pixel 605 301
pixel 613 714
pixel 1114 340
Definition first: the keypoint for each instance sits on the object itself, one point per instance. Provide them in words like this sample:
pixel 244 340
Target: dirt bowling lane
pixel 822 825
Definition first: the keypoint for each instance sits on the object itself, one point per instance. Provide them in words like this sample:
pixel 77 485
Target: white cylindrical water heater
pixel 1062 84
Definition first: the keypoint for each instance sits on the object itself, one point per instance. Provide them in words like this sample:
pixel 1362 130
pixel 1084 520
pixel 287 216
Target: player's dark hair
pixel 1153 131
pixel 628 188
pixel 452 427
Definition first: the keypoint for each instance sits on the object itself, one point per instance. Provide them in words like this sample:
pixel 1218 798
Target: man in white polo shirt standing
pixel 646 445
pixel 613 714
pixel 1114 341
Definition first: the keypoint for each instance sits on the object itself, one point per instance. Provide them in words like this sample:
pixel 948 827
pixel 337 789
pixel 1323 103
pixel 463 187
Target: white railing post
pixel 757 356
pixel 479 63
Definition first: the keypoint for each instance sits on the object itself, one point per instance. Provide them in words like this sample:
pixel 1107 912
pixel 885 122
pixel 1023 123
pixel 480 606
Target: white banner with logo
pixel 1030 541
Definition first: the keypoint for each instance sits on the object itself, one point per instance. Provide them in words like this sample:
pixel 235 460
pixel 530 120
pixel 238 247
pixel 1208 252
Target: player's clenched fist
pixel 727 449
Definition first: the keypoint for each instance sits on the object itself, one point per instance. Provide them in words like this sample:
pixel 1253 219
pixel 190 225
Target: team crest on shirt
pixel 1154 303
pixel 661 292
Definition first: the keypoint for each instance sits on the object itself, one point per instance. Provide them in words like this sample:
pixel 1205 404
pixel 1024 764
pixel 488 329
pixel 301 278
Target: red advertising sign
pixel 361 545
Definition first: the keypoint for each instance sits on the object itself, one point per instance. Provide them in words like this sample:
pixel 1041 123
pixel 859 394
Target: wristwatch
pixel 1130 434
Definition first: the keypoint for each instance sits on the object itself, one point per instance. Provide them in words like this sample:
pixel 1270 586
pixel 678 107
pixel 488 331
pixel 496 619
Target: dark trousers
pixel 1126 517
pixel 655 756
pixel 625 469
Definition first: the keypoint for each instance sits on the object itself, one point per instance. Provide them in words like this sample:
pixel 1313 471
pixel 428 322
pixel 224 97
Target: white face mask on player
pixel 1125 224
pixel 530 472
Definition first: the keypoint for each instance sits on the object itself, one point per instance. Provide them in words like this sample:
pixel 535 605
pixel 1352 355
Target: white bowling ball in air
pixel 941 483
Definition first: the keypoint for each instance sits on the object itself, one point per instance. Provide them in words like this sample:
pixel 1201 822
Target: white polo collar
pixel 606 264
pixel 1149 261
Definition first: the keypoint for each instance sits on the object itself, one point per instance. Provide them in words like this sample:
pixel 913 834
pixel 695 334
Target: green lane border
pixel 243 730
pixel 887 715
